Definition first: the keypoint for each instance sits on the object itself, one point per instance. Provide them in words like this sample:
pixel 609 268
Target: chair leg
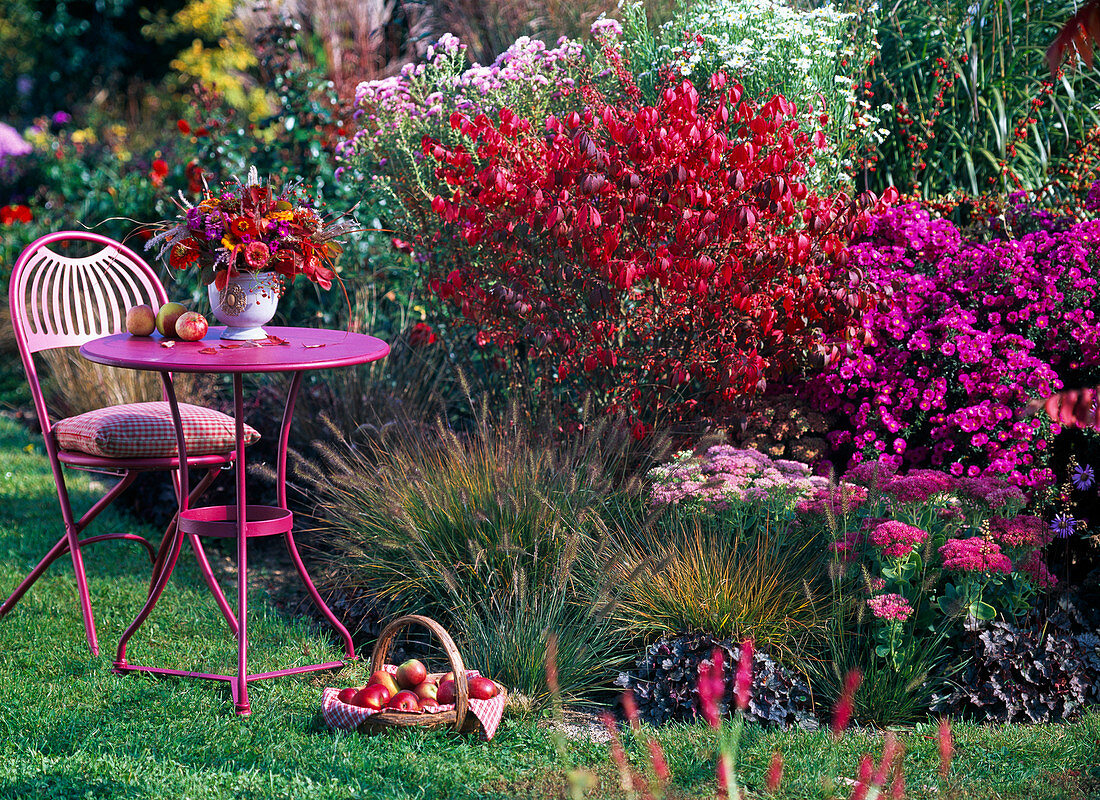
pixel 198 491
pixel 55 553
pixel 196 545
pixel 81 581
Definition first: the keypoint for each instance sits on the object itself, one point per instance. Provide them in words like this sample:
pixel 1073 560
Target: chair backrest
pixel 65 300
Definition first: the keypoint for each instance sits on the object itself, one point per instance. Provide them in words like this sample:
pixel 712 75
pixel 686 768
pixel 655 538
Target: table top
pixel 287 350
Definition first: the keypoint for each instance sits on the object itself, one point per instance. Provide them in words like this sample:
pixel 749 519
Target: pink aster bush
pixel 978 326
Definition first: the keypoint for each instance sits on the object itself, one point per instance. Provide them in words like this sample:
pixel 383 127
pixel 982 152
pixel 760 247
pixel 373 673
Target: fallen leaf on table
pixel 229 346
pixel 209 351
pixel 168 344
pixel 311 346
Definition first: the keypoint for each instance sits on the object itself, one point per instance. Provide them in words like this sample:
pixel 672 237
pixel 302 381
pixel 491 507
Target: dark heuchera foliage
pixel 1032 673
pixel 666 683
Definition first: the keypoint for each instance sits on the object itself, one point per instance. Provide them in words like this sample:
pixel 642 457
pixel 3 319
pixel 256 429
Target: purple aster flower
pixel 1083 477
pixel 1063 526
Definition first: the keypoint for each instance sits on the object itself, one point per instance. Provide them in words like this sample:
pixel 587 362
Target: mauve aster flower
pixel 1083 477
pixel 1063 525
pixel 1092 202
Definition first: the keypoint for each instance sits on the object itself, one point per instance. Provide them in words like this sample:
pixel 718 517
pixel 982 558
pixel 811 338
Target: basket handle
pixel 462 686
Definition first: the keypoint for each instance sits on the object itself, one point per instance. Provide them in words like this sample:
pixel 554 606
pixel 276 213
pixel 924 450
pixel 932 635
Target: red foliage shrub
pixel 663 259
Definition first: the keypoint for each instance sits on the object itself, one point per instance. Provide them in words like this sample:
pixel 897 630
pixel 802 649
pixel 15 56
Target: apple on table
pixel 167 317
pixel 191 326
pixel 141 320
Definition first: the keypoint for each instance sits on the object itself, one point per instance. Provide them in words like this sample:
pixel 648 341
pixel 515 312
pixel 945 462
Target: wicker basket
pixel 458 718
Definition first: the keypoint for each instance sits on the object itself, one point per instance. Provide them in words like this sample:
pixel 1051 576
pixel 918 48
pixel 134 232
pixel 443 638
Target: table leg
pixel 292 548
pixel 173 551
pixel 241 694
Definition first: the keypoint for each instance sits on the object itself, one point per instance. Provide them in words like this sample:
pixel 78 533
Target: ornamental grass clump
pixel 695 572
pixel 495 534
pixel 716 551
pixel 976 329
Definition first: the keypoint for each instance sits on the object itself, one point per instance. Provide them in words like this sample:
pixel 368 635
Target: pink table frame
pixel 306 349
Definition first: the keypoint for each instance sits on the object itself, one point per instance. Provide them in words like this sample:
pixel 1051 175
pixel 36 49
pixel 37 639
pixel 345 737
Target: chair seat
pixel 146 430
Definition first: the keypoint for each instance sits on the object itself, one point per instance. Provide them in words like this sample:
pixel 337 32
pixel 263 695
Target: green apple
pixel 167 317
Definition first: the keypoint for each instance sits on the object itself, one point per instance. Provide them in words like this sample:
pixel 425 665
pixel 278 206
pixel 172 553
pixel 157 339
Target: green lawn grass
pixel 69 727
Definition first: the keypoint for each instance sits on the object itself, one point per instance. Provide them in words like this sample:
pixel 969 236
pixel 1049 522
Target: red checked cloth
pixel 347 717
pixel 146 430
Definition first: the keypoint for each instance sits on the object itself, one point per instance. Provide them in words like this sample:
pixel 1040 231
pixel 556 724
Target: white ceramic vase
pixel 247 303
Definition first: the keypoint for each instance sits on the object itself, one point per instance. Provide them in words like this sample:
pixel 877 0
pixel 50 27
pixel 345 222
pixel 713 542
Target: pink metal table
pixel 296 350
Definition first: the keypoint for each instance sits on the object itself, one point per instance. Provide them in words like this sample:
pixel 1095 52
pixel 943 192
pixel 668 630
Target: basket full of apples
pixel 407 695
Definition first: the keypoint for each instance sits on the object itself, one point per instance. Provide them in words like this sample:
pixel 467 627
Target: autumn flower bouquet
pixel 249 228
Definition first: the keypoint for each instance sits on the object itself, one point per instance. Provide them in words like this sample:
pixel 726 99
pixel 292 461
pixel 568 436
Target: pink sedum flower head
pixel 890 607
pixel 1021 531
pixel 897 539
pixel 974 555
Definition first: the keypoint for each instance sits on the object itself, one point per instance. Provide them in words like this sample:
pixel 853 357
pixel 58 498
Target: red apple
pixel 481 688
pixel 450 676
pixel 404 701
pixel 427 692
pixel 191 327
pixel 166 319
pixel 348 695
pixel 141 321
pixel 385 679
pixel 374 696
pixel 411 674
pixel 445 696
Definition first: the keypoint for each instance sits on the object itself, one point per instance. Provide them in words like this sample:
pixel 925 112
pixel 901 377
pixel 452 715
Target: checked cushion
pixel 146 430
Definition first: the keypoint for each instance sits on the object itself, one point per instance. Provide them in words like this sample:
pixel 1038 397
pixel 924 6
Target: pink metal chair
pixel 64 301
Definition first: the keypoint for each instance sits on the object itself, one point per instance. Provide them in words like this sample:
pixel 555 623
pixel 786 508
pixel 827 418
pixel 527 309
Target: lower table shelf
pixel 222 521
